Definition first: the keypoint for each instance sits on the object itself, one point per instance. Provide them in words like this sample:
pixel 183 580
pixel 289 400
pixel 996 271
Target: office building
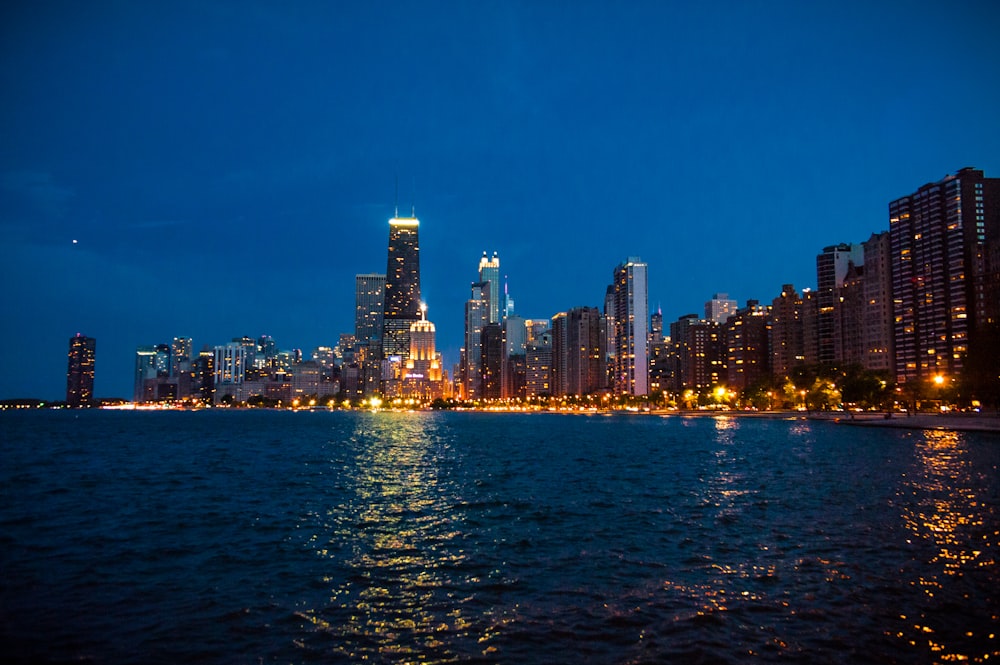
pixel 492 361
pixel 631 315
pixel 489 271
pixel 423 377
pixel 369 308
pixel 80 371
pixel 402 287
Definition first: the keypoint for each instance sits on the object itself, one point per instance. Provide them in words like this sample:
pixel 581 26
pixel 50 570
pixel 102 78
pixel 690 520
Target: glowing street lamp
pixel 938 380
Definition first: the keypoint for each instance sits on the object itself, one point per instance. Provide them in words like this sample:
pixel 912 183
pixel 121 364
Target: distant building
pixel 849 318
pixel 489 271
pixel 80 370
pixel 879 349
pixel 422 375
pixel 631 316
pixel 578 352
pixel 476 318
pixel 538 366
pixel 746 346
pixel 787 348
pixel 492 360
pixel 145 369
pixel 698 347
pixel 402 287
pixel 832 266
pixel 369 308
pixel 720 308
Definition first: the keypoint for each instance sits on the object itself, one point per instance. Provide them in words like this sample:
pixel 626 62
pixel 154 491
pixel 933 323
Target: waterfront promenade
pixel 961 422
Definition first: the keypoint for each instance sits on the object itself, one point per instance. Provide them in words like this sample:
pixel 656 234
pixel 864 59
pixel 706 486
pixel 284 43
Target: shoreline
pixel 959 422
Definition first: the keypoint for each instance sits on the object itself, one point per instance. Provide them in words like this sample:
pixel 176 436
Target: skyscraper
pixel 631 328
pixel 489 271
pixel 369 307
pixel 939 237
pixel 80 370
pixel 476 318
pixel 402 286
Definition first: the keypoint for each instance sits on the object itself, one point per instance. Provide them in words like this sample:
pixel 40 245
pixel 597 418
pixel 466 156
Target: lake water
pixel 278 537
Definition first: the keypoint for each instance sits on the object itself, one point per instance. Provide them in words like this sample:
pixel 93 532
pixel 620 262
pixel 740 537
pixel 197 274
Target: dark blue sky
pixel 227 170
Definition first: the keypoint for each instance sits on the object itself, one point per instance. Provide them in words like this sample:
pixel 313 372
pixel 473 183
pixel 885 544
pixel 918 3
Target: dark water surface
pixel 276 537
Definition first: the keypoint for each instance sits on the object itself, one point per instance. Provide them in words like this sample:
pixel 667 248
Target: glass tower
pixel 402 286
pixel 631 328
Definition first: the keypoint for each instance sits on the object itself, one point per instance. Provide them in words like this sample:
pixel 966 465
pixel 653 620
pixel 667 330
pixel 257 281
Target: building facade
pixel 489 271
pixel 879 349
pixel 369 308
pixel 631 316
pixel 938 237
pixel 402 287
pixel 80 370
pixel 831 269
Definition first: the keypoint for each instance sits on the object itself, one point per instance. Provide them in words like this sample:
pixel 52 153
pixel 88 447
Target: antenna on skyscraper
pixel 413 197
pixel 396 202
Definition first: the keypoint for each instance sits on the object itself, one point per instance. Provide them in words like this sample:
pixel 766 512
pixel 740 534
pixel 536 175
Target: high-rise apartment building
pixel 631 313
pixel 939 237
pixel 489 271
pixel 879 349
pixel 849 318
pixel 80 370
pixel 585 368
pixel 402 286
pixel 746 346
pixel 831 269
pixel 699 354
pixel 538 366
pixel 787 348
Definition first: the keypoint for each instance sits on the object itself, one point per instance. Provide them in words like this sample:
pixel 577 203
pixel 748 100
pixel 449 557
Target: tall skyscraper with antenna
pixel 402 286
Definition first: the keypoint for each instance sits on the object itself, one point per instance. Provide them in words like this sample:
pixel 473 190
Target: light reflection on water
pixel 405 544
pixel 943 507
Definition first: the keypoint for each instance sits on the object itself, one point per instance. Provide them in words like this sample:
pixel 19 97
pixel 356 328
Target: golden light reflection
pixel 400 599
pixel 943 507
pixel 954 510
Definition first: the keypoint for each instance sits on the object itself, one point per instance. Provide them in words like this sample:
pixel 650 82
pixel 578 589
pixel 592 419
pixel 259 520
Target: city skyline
pixel 243 191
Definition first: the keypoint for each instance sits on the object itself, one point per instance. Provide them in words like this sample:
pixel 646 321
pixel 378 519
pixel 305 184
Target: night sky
pixel 225 170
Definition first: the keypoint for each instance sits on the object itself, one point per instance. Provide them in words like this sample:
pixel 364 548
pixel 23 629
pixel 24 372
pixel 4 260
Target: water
pixel 276 537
